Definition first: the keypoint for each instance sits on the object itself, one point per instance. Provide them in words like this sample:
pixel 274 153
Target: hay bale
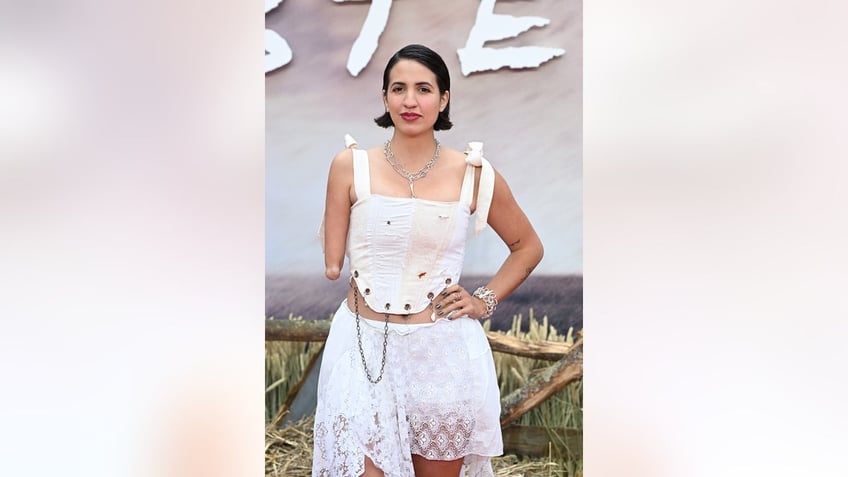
pixel 288 450
pixel 288 453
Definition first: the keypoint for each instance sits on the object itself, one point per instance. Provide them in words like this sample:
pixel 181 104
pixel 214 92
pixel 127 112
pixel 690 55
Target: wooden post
pixel 547 350
pixel 542 385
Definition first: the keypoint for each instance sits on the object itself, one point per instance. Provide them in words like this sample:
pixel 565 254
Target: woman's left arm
pixel 525 249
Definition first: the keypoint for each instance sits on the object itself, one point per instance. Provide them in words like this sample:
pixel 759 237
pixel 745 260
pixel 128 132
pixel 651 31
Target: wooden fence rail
pixel 317 330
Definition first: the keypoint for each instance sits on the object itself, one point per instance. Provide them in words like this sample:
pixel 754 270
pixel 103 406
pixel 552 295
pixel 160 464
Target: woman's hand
pixel 456 301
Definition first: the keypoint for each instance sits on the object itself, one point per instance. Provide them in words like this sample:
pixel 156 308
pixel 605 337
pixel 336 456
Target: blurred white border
pixel 714 170
pixel 132 249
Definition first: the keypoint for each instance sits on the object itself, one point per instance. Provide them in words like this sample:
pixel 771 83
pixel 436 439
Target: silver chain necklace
pixel 409 176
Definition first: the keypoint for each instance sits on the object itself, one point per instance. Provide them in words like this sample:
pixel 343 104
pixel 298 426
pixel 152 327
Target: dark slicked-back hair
pixel 434 63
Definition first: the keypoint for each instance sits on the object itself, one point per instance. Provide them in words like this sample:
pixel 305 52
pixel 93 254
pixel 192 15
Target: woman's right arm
pixel 337 212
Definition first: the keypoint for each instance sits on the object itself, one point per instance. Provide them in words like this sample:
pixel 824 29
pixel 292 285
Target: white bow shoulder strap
pixel 474 156
pixel 350 142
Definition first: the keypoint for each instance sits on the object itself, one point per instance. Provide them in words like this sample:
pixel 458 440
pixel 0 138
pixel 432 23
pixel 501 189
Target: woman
pixel 407 383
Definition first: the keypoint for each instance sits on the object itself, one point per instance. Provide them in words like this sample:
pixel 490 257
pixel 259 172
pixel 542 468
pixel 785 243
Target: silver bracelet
pixel 488 297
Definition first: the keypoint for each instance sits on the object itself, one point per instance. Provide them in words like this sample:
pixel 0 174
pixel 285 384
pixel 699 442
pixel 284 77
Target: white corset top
pixel 403 251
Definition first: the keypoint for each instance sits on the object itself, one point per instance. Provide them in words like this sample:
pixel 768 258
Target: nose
pixel 409 99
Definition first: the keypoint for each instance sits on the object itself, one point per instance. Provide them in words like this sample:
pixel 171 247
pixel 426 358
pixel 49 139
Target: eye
pixel 424 89
pixel 397 89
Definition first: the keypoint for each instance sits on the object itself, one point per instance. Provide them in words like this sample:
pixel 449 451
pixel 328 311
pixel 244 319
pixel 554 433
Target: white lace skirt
pixel 438 398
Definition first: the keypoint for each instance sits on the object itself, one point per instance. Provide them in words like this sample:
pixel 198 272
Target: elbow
pixel 540 252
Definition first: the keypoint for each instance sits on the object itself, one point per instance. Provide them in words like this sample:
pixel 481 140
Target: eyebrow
pixel 420 83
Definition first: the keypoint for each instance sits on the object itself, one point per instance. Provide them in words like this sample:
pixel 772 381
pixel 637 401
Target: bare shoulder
pixel 342 164
pixel 376 151
pixel 346 154
pixel 343 157
pixel 452 156
pixel 449 152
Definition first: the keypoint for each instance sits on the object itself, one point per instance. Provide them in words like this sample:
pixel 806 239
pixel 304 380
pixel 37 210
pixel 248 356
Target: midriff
pixel 369 314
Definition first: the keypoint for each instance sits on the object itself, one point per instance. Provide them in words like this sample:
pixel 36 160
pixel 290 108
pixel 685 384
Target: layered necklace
pixel 411 176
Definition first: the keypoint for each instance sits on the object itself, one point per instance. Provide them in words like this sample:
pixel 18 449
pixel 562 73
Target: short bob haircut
pixel 434 63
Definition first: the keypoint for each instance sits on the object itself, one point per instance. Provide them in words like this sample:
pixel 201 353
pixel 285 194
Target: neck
pixel 413 152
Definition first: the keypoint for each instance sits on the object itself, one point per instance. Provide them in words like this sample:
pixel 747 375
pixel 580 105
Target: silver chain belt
pixel 359 338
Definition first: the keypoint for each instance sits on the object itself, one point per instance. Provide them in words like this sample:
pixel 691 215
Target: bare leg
pixel 435 468
pixel 371 470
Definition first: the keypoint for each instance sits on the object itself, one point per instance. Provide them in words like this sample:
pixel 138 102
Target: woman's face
pixel 412 97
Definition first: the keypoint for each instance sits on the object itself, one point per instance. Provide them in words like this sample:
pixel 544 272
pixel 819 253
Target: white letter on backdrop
pixel 366 43
pixel 491 26
pixel 277 50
